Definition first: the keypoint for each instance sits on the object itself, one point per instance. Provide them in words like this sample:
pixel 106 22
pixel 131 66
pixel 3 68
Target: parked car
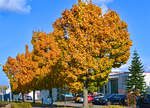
pixel 144 101
pixel 147 98
pixel 100 95
pixel 97 100
pixel 103 100
pixel 67 97
pixel 91 97
pixel 28 98
pixel 119 99
pixel 80 99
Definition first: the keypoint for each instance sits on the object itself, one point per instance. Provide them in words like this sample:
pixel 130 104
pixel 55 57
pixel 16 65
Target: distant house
pixel 37 95
pixel 45 94
pixel 117 82
pixel 4 96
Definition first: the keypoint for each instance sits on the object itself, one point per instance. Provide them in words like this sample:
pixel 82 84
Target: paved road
pixel 74 105
pixel 78 105
pixel 70 105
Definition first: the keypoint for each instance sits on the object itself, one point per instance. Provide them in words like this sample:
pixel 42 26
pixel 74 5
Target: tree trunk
pixel 33 96
pixel 51 96
pixel 85 93
pixel 22 97
pixel 11 97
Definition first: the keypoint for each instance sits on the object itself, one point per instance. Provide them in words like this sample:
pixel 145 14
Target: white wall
pixel 121 85
pixel 36 95
pixel 45 93
pixel 147 80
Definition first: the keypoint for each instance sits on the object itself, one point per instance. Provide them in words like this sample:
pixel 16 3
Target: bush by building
pixel 21 105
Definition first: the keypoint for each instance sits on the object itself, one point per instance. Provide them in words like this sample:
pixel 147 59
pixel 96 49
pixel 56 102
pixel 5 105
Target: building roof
pixel 118 73
pixel 3 86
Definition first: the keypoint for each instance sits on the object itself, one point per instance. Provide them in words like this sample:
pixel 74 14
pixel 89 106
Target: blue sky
pixel 18 18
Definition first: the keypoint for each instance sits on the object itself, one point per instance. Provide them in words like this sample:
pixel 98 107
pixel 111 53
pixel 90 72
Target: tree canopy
pixel 91 43
pixel 84 46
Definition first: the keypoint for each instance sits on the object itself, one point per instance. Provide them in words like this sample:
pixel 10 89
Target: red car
pixel 91 97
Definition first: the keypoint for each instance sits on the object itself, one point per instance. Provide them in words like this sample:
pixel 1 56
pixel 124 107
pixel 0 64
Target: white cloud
pixel 123 68
pixel 147 68
pixel 102 1
pixel 15 6
pixel 104 8
pixel 103 4
pixel 116 70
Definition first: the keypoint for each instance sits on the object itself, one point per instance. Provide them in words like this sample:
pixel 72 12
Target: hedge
pixel 21 105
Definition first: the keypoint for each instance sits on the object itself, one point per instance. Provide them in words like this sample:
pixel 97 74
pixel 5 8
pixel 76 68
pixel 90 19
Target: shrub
pixel 131 99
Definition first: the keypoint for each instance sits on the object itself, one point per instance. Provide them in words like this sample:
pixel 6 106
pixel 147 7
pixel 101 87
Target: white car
pixel 81 100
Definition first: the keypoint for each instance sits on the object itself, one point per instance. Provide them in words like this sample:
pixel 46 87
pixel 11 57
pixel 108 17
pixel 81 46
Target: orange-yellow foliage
pixel 20 71
pixel 91 43
pixel 46 54
pixel 84 44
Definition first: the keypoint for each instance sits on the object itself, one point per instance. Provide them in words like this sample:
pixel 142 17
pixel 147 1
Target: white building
pixel 117 82
pixel 3 89
pixel 37 95
pixel 44 94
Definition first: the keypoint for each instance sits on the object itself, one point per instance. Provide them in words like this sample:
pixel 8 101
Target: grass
pixel 111 106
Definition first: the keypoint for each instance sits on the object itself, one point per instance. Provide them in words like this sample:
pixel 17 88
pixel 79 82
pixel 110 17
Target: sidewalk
pixel 62 104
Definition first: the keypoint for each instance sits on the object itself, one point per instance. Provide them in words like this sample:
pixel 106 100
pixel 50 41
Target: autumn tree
pixel 83 48
pixel 91 44
pixel 36 70
pixel 20 71
pixel 47 55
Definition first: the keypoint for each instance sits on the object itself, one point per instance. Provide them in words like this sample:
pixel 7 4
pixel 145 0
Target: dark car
pixel 144 101
pixel 105 100
pixel 96 100
pixel 99 100
pixel 28 98
pixel 147 98
pixel 119 99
